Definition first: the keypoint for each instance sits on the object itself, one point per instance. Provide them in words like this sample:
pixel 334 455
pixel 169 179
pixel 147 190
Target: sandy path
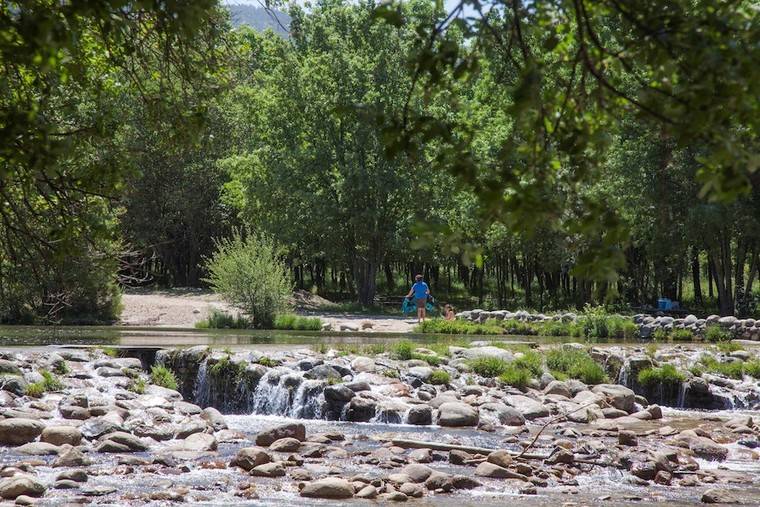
pixel 185 307
pixel 169 308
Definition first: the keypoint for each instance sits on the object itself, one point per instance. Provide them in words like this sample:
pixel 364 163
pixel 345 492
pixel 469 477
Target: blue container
pixel 664 304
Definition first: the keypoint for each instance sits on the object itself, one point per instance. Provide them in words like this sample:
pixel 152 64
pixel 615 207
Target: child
pixel 448 312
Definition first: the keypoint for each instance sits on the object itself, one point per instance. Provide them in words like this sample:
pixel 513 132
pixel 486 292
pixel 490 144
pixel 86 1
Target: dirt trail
pixel 184 307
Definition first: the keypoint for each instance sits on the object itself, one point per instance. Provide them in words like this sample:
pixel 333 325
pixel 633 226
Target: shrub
pixel 50 381
pixel 575 364
pixel 681 335
pixel 61 368
pixel 559 328
pixel 620 327
pixel 298 322
pixel 265 361
pixel 660 334
pixel 531 361
pixel 111 351
pixel 440 378
pixel 250 274
pixel 595 322
pixel 715 333
pixel 223 320
pixel 162 376
pixel 515 376
pixel 667 375
pixel 488 366
pixel 35 389
pixel 403 350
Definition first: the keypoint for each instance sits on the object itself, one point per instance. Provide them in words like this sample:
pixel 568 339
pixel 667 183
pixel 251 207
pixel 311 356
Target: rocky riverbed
pixel 79 426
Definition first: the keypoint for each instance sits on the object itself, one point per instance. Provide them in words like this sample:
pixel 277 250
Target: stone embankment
pixel 746 329
pixel 100 428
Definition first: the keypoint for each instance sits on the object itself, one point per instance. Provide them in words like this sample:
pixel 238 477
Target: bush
pixel 223 320
pixel 752 368
pixel 440 378
pixel 681 335
pixel 488 366
pixel 428 358
pixel 290 321
pixel 518 327
pixel 515 376
pixel 48 383
pixel 595 322
pixel 667 375
pixel 559 328
pixel 162 376
pixel 575 364
pixel 660 334
pixel 733 369
pixel 531 361
pixel 403 350
pixel 61 368
pixel 35 389
pixel 250 274
pixel 714 333
pixel 138 386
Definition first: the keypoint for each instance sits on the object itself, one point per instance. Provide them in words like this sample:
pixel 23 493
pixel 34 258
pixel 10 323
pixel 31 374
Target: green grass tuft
pixel 715 333
pixel 667 375
pixel 162 376
pixel 681 335
pixel 488 366
pixel 440 378
pixel 403 350
pixel 575 364
pixel 728 347
pixel 297 322
pixel 223 320
pixel 515 376
pixel 138 386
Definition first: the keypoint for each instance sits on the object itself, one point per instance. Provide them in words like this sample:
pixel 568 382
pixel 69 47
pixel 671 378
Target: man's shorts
pixel 421 302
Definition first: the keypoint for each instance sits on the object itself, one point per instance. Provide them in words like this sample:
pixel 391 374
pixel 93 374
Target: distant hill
pixel 258 18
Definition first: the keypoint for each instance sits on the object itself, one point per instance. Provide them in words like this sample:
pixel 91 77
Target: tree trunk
pixel 389 281
pixel 695 276
pixel 365 274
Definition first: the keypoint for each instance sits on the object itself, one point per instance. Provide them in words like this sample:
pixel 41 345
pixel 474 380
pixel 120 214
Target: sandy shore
pixel 184 307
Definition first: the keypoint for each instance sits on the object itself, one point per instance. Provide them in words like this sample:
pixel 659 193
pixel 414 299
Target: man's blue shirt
pixel 420 290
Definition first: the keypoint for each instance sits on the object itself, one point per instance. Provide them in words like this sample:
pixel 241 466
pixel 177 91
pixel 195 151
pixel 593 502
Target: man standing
pixel 421 291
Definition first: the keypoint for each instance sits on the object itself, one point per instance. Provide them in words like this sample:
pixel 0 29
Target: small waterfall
pixel 201 388
pixel 683 390
pixel 285 392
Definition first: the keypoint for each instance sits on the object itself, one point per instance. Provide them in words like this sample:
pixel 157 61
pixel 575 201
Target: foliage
pixel 681 335
pixel 576 364
pixel 35 389
pixel 752 368
pixel 266 361
pixel 223 320
pixel 731 369
pixel 515 376
pixel 250 274
pixel 61 368
pixel 111 351
pixel 403 350
pixel 531 361
pixel 660 334
pixel 728 346
pixel 162 376
pixel 488 366
pixel 440 378
pixel 715 333
pixel 291 321
pixel 666 375
pixel 138 385
pixel 48 383
pixel 460 327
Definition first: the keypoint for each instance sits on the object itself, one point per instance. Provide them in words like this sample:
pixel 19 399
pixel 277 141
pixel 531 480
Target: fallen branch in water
pixel 436 446
pixel 552 421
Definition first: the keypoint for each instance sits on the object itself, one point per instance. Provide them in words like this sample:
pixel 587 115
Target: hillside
pixel 258 18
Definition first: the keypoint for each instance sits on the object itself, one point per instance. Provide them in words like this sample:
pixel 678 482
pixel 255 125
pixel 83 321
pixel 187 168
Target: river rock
pixel 333 488
pixel 338 393
pixel 38 449
pixel 59 435
pixel 439 481
pixel 528 407
pixel 618 396
pixel 502 414
pixel 71 457
pixel 707 449
pixel 18 431
pixel 457 414
pixel 368 492
pixel 248 458
pixel 487 351
pixel 420 415
pixel 361 409
pixel 9 368
pixel 285 445
pixel 121 441
pixel 487 469
pixel 412 490
pixel 363 365
pixel 214 418
pixel 715 495
pixel 500 457
pixel 18 485
pixel 416 472
pixel 72 475
pixel 291 430
pixel 274 469
pixel 558 388
pixel 200 442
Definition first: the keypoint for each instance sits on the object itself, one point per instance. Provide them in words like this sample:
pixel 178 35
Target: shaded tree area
pixel 541 154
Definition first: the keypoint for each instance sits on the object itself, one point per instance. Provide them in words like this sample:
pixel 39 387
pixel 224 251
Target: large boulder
pixel 18 431
pixel 333 488
pixel 486 351
pixel 13 487
pixel 9 367
pixel 618 396
pixel 214 418
pixel 528 407
pixel 121 441
pixel 200 442
pixel 501 414
pixel 291 430
pixel 707 449
pixel 456 414
pixel 13 384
